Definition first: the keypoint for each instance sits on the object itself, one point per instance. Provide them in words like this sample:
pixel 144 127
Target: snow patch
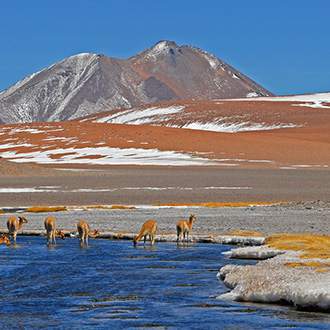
pixel 160 48
pixel 27 190
pixel 317 97
pixel 113 156
pixel 315 104
pixel 253 252
pixel 211 59
pixel 141 116
pixel 25 130
pixel 252 94
pixel 12 145
pixel 228 127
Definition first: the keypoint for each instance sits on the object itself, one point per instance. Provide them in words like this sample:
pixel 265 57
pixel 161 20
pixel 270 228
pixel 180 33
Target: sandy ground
pixel 178 185
pixel 305 217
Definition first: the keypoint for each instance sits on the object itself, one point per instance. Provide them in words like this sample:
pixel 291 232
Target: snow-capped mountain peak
pixel 88 83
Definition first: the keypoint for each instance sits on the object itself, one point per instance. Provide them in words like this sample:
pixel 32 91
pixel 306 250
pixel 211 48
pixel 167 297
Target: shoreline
pixel 70 208
pixel 296 274
pixel 169 238
pixel 298 217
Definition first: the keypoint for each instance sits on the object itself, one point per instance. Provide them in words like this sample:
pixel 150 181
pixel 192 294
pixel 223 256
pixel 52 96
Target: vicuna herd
pixel 147 232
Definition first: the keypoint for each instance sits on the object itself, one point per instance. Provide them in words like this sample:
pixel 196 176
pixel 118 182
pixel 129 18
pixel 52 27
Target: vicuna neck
pixel 20 223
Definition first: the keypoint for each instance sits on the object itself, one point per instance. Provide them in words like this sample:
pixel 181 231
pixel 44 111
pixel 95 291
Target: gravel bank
pixel 294 218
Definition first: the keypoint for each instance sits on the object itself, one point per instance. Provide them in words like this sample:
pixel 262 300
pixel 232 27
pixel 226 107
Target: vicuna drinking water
pixel 184 227
pixel 50 226
pixel 14 225
pixel 149 228
pixel 4 239
pixel 84 231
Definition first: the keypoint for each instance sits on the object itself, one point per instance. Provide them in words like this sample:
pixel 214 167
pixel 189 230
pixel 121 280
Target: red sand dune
pixel 307 144
pixel 225 112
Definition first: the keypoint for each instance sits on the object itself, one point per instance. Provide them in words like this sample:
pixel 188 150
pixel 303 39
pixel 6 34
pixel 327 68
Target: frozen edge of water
pixel 271 281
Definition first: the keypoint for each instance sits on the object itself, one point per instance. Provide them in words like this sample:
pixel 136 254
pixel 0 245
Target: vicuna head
pixel 192 218
pixel 94 233
pixel 60 234
pixel 4 239
pixel 22 220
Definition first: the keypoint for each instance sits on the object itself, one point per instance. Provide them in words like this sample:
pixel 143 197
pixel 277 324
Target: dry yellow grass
pixel 322 270
pixel 87 207
pixel 220 204
pixel 314 264
pixel 122 207
pixel 39 209
pixel 311 246
pixel 245 233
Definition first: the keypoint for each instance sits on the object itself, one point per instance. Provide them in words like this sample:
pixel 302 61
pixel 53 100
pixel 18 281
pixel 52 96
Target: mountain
pixel 90 83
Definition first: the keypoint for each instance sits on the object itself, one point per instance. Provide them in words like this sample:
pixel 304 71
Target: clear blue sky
pixel 282 44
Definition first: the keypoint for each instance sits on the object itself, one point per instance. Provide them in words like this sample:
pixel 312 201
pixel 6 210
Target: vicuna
pixel 184 227
pixel 14 225
pixel 50 226
pixel 149 228
pixel 4 239
pixel 84 231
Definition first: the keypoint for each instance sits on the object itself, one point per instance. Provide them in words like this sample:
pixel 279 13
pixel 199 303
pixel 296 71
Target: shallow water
pixel 111 284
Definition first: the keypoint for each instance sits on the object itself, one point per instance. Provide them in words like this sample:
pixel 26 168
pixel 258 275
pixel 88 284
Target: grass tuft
pixel 312 246
pixel 245 233
pixel 40 209
pixel 314 264
pixel 122 207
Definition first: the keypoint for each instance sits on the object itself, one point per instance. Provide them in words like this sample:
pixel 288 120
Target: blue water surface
pixel 111 285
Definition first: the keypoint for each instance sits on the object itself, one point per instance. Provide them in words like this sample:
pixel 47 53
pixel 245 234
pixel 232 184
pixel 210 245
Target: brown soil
pixel 265 185
pixel 284 147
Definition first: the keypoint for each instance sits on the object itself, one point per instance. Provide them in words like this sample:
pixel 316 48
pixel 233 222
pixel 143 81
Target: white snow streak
pixel 228 127
pixel 141 116
pixel 113 156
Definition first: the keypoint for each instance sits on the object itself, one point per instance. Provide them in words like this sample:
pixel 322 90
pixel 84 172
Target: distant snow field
pixel 316 100
pixel 59 189
pixel 158 116
pixel 106 156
